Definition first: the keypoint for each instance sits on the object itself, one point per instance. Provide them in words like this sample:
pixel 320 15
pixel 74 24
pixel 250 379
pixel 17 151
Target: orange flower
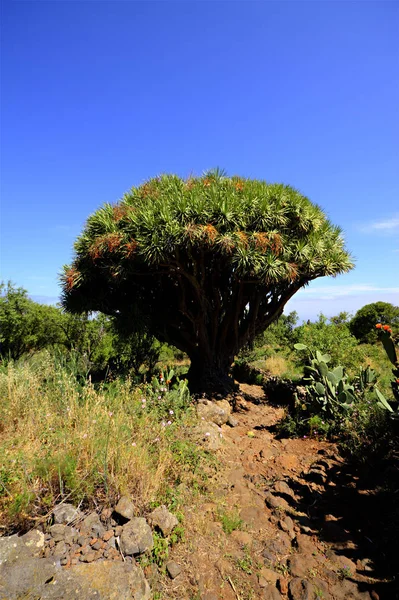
pixel 378 326
pixel 207 182
pixel 131 248
pixel 210 232
pixel 386 328
pixel 239 186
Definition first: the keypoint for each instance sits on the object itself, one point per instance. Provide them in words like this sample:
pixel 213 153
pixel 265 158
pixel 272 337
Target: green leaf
pixel 320 389
pixel 338 373
pixel 382 401
pixel 323 369
pixel 332 378
pixel 300 347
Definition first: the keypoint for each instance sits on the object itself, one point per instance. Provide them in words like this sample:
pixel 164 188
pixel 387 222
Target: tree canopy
pixel 363 324
pixel 206 263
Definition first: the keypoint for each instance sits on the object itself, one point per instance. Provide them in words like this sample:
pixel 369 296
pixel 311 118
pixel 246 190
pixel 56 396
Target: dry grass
pixel 61 439
pixel 276 365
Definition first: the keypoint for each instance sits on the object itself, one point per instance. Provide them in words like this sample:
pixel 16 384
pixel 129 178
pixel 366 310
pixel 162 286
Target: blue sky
pixel 97 96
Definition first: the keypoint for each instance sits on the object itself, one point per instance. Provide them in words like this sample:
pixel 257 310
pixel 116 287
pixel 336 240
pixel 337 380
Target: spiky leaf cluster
pixel 204 257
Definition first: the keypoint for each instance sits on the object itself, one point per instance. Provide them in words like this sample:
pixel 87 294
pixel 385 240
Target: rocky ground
pixel 281 519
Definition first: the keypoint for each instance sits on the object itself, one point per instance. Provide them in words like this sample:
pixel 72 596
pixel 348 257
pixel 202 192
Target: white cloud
pixel 388 225
pixel 330 292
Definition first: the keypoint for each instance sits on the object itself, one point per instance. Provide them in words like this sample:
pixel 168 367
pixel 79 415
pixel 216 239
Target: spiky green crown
pixel 268 233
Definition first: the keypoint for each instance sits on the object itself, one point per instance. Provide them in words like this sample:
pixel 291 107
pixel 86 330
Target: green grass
pixel 230 521
pixel 61 439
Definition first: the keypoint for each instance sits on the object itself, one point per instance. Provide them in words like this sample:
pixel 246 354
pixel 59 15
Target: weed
pixel 344 572
pixel 230 521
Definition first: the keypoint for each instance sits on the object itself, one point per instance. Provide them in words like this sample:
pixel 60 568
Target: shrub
pixel 329 338
pixel 362 325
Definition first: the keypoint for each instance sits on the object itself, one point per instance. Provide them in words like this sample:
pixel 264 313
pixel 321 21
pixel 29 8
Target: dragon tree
pixel 207 263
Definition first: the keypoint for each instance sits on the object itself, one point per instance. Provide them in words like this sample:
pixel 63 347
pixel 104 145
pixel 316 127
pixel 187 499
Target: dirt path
pixel 300 534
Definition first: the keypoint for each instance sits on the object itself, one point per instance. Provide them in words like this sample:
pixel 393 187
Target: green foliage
pixel 330 338
pixel 230 521
pixel 327 391
pixel 362 325
pixel 205 264
pixel 327 401
pixel 25 325
pixel 85 345
pixel 279 333
pixel 385 335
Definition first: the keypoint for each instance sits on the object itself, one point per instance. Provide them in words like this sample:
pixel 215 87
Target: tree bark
pixel 210 374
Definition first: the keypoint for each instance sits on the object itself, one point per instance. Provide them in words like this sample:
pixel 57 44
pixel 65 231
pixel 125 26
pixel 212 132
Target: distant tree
pixel 363 323
pixel 279 333
pixel 207 263
pixel 25 325
pixel 341 318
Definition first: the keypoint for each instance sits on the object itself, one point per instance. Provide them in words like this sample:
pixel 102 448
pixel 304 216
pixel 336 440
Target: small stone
pixel 276 502
pixel 66 513
pixel 163 519
pixel 214 412
pixel 242 537
pixel 93 541
pixel 82 540
pixel 111 543
pixel 97 545
pixel 51 543
pixel 299 565
pixel 271 593
pixel 301 589
pixel 173 569
pixel 74 560
pixel 282 584
pixel 89 557
pixel 106 514
pixel 57 532
pixel 118 530
pixel 305 529
pixel 232 421
pixel 287 525
pixel 108 535
pixel 125 508
pixel 34 540
pixel 305 544
pixel 64 561
pixel 281 488
pixel 268 576
pixel 60 549
pixel 136 537
pixel 92 523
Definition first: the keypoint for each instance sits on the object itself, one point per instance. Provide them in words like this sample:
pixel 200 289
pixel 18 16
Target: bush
pixel 329 338
pixel 362 326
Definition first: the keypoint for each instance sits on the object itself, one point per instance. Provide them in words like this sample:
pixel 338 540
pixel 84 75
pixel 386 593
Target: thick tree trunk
pixel 210 374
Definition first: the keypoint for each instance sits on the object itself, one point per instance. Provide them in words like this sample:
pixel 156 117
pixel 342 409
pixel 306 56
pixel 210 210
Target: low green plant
pixel 65 438
pixel 327 391
pixel 385 336
pixel 230 521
